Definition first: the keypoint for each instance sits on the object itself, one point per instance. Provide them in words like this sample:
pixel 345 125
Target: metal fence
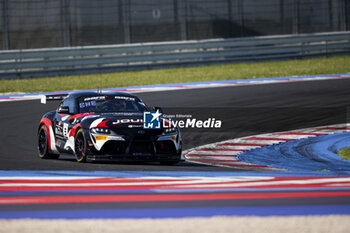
pixel 107 58
pixel 62 23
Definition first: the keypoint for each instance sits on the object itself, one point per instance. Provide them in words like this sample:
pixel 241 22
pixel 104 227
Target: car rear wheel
pixel 80 147
pixel 43 145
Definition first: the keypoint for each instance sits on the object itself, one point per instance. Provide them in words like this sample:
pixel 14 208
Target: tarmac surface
pixel 243 110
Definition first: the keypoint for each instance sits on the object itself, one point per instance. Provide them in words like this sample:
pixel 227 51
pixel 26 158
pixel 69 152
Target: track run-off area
pixel 275 155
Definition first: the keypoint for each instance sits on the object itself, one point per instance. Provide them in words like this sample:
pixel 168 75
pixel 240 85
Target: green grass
pixel 345 153
pixel 331 65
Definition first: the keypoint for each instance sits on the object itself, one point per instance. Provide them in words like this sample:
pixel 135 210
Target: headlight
pixel 100 131
pixel 169 130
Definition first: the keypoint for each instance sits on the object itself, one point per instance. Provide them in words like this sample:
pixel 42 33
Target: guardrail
pixel 109 58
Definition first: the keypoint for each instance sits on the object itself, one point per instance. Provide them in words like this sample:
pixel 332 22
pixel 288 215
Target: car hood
pixel 117 120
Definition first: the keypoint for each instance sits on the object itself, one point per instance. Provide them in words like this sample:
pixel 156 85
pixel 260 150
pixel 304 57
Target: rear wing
pixel 45 98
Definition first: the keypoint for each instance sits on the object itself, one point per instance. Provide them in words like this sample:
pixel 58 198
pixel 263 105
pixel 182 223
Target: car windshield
pixel 110 104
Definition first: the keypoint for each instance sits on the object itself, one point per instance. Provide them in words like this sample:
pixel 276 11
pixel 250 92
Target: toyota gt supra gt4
pixel 107 126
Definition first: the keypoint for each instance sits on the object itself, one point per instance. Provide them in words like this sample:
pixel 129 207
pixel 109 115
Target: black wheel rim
pixel 79 146
pixel 42 142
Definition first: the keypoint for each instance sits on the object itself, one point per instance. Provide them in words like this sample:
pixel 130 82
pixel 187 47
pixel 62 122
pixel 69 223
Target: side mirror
pixel 158 109
pixel 63 110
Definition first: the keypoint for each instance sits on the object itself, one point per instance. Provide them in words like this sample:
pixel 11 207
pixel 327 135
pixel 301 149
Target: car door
pixel 63 122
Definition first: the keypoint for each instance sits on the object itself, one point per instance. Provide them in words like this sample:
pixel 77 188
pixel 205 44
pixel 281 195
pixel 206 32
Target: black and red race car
pixel 107 126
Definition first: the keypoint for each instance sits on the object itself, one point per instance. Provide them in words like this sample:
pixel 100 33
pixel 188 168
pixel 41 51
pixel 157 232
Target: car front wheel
pixel 80 147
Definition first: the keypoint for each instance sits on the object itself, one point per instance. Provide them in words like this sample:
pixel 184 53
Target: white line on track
pixel 199 85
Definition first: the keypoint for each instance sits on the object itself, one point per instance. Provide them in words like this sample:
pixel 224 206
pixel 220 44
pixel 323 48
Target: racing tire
pixel 80 147
pixel 43 144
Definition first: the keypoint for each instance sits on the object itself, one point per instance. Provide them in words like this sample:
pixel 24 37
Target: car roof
pixel 76 95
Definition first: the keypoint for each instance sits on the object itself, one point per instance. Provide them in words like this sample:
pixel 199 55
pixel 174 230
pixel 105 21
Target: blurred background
pixel 29 24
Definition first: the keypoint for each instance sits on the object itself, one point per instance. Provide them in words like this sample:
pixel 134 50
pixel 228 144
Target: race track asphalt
pixel 243 110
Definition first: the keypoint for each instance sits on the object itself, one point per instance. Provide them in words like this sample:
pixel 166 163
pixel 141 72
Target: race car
pixel 107 126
